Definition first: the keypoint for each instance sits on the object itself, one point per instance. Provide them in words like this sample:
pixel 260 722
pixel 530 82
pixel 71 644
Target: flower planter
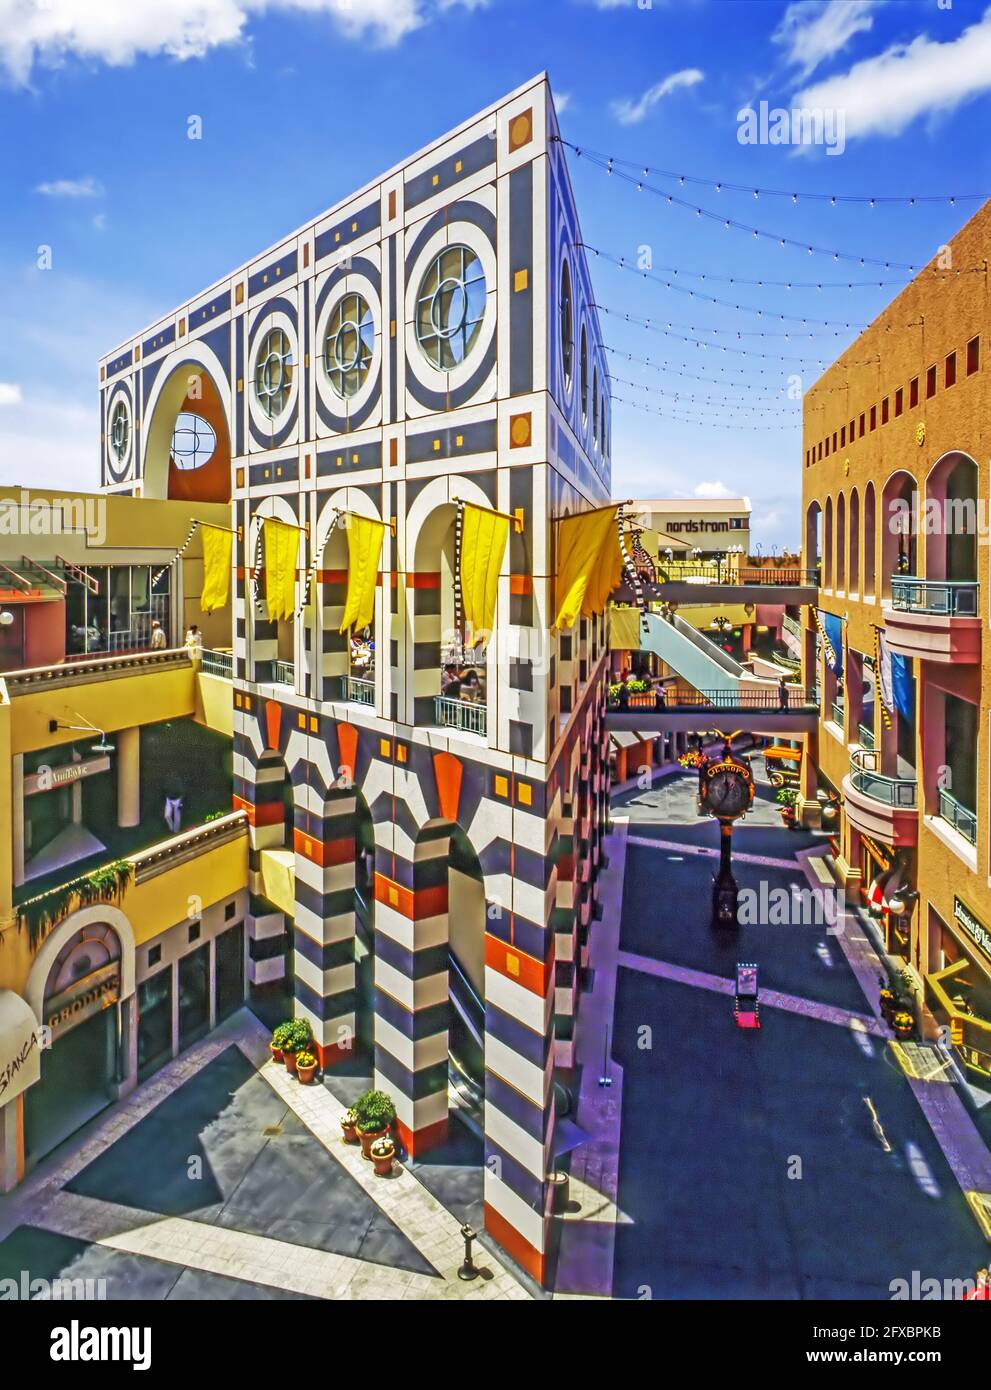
pixel 306 1074
pixel 367 1138
pixel 290 1060
pixel 277 1055
pixel 349 1130
pixel 383 1161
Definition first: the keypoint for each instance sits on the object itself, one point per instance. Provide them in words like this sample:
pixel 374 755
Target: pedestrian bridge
pixel 711 582
pixel 758 710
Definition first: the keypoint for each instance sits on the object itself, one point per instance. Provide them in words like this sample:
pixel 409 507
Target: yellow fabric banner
pixel 484 534
pixel 281 553
pixel 216 568
pixel 365 538
pixel 589 564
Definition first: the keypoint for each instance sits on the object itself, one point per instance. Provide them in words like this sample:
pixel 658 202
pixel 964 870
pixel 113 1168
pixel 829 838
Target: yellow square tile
pixel 435 180
pixel 513 965
pixel 314 725
pixel 301 720
pixel 502 786
pixel 525 793
pixel 393 896
pixel 384 747
pixel 458 167
pixel 520 280
pixel 401 753
pixel 436 446
pixel 459 440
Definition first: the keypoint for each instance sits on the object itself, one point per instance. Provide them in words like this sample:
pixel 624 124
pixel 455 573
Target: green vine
pixel 106 884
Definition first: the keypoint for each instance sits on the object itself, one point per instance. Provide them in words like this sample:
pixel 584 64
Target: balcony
pixel 934 619
pixel 836 713
pixel 284 673
pixel 357 691
pixel 865 737
pixel 886 808
pixel 218 663
pixel 963 821
pixel 469 717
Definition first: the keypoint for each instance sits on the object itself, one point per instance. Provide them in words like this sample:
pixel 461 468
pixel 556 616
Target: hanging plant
pixel 105 884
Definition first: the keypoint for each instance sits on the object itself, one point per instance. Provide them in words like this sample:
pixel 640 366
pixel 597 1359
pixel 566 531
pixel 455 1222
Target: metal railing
pixel 461 714
pixel 768 699
pixel 890 791
pixel 963 820
pixel 357 691
pixel 91 668
pixel 711 572
pixel 216 663
pixel 791 625
pixel 865 737
pixel 283 673
pixel 953 598
pixel 836 712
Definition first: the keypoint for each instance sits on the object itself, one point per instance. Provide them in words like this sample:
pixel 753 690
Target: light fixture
pixel 101 746
pixel 6 618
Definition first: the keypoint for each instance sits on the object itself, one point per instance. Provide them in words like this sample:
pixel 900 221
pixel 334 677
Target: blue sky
pixel 304 100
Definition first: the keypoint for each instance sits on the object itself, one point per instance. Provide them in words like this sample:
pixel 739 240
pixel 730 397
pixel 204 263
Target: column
pixel 11 1144
pixel 129 777
pixel 17 816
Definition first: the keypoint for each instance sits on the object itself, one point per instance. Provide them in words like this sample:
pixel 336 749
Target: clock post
pixel 726 792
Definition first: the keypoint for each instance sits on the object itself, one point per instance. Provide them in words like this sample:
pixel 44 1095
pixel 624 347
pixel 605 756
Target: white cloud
pixel 813 32
pixel 713 490
pixel 51 442
pixel 88 187
pixel 117 32
pixel 562 100
pixel 884 94
pixel 10 393
pixel 629 112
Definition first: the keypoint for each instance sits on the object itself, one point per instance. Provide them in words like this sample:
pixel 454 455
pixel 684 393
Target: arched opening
pixel 274 811
pixel 899 540
pixel 951 520
pixel 364 924
pixel 345 661
pixel 870 542
pixel 83 1065
pixel 273 640
pixel 827 545
pixel 841 543
pixel 450 680
pixel 466 972
pixel 188 448
pixel 813 537
pixel 854 570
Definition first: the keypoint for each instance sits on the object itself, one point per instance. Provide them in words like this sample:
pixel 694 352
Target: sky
pixel 302 101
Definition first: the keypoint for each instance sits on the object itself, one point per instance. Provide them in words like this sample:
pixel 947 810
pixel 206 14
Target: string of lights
pixel 715 347
pixel 726 186
pixel 765 409
pixel 764 283
pixel 811 248
pixel 708 422
pixel 675 370
pixel 624 264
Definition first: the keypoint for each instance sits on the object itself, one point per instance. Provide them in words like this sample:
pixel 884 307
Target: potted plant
pixel 375 1112
pixel 786 798
pixel 297 1039
pixel 280 1036
pixel 903 1023
pixel 349 1121
pixel 887 1000
pixel 382 1152
pixel 306 1065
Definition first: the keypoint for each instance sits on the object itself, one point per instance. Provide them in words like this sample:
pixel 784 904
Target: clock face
pixel 727 792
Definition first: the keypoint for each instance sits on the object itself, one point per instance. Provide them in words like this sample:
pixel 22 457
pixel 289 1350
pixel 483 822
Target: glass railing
pixel 962 820
pixel 836 712
pixel 865 737
pixel 283 673
pixel 953 598
pixel 216 663
pixel 461 714
pixel 890 791
pixel 357 690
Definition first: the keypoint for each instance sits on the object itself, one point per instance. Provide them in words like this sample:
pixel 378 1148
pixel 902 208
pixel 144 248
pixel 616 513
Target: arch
pixel 336 661
pixel 59 938
pixel 870 542
pixel 270 642
pixel 190 381
pixel 853 520
pixel 827 545
pixel 841 543
pixel 951 518
pixel 813 536
pixel 899 524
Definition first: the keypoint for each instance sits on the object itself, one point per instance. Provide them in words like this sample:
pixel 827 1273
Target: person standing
pixel 783 693
pixel 194 641
pixel 158 642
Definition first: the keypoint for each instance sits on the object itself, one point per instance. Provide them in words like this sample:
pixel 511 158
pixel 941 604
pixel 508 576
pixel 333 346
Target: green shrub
pixel 788 796
pixel 375 1111
pixel 282 1035
pixel 299 1035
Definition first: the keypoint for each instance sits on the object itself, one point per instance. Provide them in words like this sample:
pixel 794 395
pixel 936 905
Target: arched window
pixel 450 307
pixel 595 409
pixel 827 546
pixel 854 542
pixel 273 372
pixel 583 374
pixel 349 345
pixel 841 542
pixel 567 326
pixel 870 541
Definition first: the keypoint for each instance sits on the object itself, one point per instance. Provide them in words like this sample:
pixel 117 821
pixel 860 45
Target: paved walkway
pixel 678 847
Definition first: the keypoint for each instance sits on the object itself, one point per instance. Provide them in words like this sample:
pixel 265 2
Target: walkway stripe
pixel 764 860
pixel 769 998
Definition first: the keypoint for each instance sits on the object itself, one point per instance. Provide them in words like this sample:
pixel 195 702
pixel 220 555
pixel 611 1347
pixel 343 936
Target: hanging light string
pixel 724 186
pixel 676 370
pixel 789 336
pixel 623 264
pixel 681 396
pixel 765 284
pixel 811 248
pixel 717 347
pixel 708 421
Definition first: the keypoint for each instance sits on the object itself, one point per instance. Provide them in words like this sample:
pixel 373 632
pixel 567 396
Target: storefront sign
pixel 50 778
pixel 977 932
pixel 20 1051
pixel 88 996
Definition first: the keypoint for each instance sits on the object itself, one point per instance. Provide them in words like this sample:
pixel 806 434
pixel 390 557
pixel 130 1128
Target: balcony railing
pixel 461 714
pixel 711 572
pixel 951 598
pixel 357 691
pixel 791 625
pixel 962 820
pixel 890 791
pixel 865 737
pixel 766 698
pixel 283 673
pixel 836 712
pixel 93 668
pixel 216 663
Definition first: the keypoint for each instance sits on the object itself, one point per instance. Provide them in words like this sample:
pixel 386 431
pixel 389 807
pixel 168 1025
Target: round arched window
pixel 273 372
pixel 120 430
pixel 583 371
pixel 194 441
pixel 450 307
pixel 595 408
pixel 567 326
pixel 349 345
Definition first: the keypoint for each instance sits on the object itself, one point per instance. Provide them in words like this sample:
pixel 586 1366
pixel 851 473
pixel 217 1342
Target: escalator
pixel 466 1044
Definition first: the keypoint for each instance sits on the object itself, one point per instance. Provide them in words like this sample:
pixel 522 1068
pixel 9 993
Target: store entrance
pixel 77 1082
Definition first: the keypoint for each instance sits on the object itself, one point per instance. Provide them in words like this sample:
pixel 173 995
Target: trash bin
pixel 560 1187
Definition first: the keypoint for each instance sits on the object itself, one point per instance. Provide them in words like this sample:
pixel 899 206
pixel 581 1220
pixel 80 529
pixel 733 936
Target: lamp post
pixel 468 1269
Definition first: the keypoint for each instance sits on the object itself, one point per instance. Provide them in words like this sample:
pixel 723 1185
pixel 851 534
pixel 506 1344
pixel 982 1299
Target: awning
pixel 626 738
pixel 875 893
pixel 20 1054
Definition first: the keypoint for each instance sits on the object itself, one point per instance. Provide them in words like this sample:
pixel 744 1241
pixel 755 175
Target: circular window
pixel 273 372
pixel 450 307
pixel 567 326
pixel 194 441
pixel 349 345
pixel 583 370
pixel 595 408
pixel 120 430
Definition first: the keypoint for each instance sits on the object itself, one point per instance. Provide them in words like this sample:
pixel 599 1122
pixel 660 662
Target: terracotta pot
pixel 383 1166
pixel 350 1132
pixel 368 1139
pixel 290 1060
pixel 276 1053
pixel 306 1074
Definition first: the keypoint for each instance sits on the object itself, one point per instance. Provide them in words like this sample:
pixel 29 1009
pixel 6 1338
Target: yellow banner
pixel 484 534
pixel 365 539
pixel 589 564
pixel 216 568
pixel 281 553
